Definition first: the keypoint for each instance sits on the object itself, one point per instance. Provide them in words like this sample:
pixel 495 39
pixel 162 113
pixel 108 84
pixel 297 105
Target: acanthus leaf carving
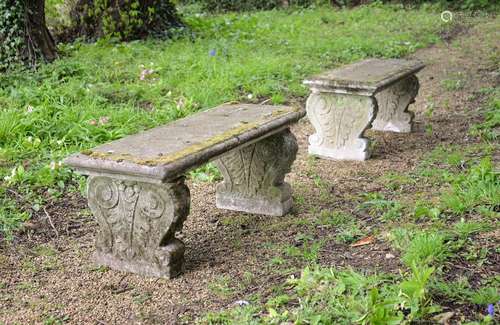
pixel 393 103
pixel 340 121
pixel 254 175
pixel 136 220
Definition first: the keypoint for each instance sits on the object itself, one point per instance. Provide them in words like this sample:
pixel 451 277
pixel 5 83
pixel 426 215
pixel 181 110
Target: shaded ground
pixel 47 274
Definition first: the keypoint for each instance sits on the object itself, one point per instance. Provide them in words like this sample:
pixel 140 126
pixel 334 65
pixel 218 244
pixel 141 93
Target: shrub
pixel 248 5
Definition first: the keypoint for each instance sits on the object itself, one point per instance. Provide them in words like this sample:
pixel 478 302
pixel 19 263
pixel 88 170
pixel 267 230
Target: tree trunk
pixel 38 41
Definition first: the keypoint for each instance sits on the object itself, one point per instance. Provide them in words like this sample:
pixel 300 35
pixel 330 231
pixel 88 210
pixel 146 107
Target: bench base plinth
pixel 393 102
pixel 359 152
pixel 137 225
pixel 170 262
pixel 254 176
pixel 257 205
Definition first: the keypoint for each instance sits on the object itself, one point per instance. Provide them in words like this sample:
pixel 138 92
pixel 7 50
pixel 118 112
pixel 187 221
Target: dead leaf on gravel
pixel 444 318
pixel 365 241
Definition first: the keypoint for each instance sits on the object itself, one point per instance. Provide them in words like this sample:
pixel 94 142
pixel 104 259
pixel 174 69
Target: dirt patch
pixel 47 273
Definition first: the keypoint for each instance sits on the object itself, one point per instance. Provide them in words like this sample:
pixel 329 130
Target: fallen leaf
pixel 444 318
pixel 365 241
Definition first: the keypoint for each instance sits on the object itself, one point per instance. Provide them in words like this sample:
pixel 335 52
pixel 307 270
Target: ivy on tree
pixel 23 33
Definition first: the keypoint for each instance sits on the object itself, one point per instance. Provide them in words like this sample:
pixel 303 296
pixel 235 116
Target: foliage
pixel 11 32
pixel 460 4
pixel 246 5
pixel 124 19
pixel 249 5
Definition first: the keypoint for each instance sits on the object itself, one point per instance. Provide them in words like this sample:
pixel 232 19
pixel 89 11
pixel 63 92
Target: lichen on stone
pixel 195 148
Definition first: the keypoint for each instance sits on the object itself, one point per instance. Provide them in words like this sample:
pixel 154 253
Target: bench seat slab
pixel 137 223
pixel 254 176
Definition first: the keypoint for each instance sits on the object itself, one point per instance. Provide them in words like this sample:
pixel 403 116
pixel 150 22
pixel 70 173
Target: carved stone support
pixel 254 176
pixel 340 121
pixel 137 224
pixel 393 102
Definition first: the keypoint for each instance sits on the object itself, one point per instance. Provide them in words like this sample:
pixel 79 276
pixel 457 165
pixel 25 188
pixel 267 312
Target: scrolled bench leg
pixel 340 121
pixel 254 176
pixel 137 224
pixel 393 102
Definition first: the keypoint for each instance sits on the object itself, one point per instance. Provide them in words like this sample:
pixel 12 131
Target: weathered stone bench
pixel 345 102
pixel 136 186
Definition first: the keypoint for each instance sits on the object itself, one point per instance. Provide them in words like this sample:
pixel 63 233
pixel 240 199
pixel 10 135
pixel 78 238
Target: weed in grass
pixel 276 261
pixel 425 210
pixel 416 293
pixel 485 296
pixel 141 298
pixel 433 175
pixel 400 237
pixel 278 301
pixel 464 229
pixel 476 254
pixel 349 234
pixel 378 206
pixel 429 110
pixel 44 250
pixel 478 187
pixel 456 291
pixel 426 248
pixel 55 320
pixel 10 216
pixel 334 218
pixel 489 129
pixel 221 287
pixel 308 250
pixel 347 228
pixel 429 130
pixel 27 286
pixel 395 181
pixel 236 315
pixel 330 296
pixel 453 84
pixel 206 173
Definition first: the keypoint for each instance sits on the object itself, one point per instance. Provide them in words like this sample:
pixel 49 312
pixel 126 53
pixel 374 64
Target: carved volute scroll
pixel 393 102
pixel 137 224
pixel 340 121
pixel 254 176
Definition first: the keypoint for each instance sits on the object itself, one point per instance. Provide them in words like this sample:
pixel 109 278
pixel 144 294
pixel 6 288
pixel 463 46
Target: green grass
pixel 95 94
pixel 329 296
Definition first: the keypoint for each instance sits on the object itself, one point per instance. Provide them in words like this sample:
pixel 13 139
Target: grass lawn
pixel 436 222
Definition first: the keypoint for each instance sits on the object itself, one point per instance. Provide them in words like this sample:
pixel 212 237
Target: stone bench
pixel 136 186
pixel 345 102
